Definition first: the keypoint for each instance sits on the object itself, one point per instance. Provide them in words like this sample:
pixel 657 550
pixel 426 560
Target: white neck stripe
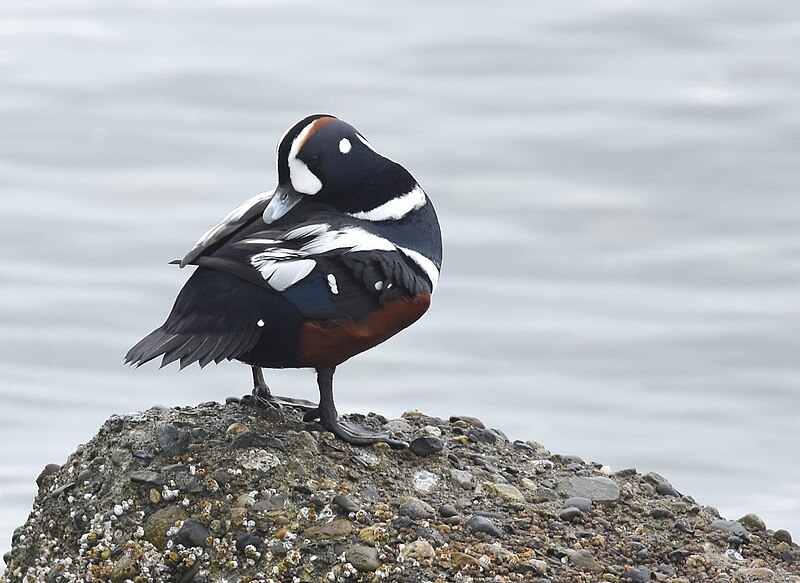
pixel 428 266
pixel 396 208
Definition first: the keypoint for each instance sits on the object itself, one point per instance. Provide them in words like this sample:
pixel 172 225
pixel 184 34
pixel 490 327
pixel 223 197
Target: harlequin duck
pixel 342 255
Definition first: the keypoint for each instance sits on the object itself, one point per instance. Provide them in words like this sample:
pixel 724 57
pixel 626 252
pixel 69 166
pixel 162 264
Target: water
pixel 617 184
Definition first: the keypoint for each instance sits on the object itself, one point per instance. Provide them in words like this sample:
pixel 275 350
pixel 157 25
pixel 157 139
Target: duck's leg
pixel 344 430
pixel 263 397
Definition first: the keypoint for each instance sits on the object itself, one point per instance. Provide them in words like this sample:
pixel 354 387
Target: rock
pixel 584 560
pixel 638 575
pixel 467 420
pixel 508 492
pixel 584 504
pixel 425 481
pixel 447 510
pixel 661 513
pixel 398 426
pixel 345 503
pixel 252 439
pixel 243 539
pixel 461 560
pixel 363 558
pixel 192 534
pixel 48 470
pixel 666 489
pixel 476 435
pixel 335 529
pixel 148 478
pixel 598 489
pixel 463 478
pixel 783 536
pixel 159 522
pixel 483 524
pixel 415 508
pixel 758 573
pixel 570 514
pixel 418 550
pixel 173 440
pixel 731 526
pixel 753 522
pixel 426 445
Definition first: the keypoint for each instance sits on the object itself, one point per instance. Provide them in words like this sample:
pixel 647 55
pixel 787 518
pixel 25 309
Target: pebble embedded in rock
pixel 159 522
pixel 753 522
pixel 476 435
pixel 173 440
pixel 192 534
pixel 666 489
pixel 473 421
pixel 783 536
pixel 363 558
pixel 570 514
pixel 584 504
pixel 447 510
pixel 483 524
pixel 418 550
pixel 426 445
pixel 243 538
pixel 253 439
pixel 345 503
pixel 335 529
pixel 639 574
pixel 415 508
pixel 584 559
pixel 508 492
pixel 661 513
pixel 48 470
pixel 598 488
pixel 463 478
pixel 147 477
pixel 732 526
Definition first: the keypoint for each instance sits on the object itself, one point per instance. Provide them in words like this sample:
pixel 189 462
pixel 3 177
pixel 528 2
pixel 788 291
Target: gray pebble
pixel 426 445
pixel 149 478
pixel 192 534
pixel 731 526
pixel 598 489
pixel 661 513
pixel 570 514
pixel 345 503
pixel 463 478
pixel 783 536
pixel 452 520
pixel 173 440
pixel 639 575
pixel 447 510
pixel 585 504
pixel 684 527
pixel 243 538
pixel 363 558
pixel 415 508
pixel 473 421
pixel 48 470
pixel 583 559
pixel 753 522
pixel 253 439
pixel 483 524
pixel 666 489
pixel 476 435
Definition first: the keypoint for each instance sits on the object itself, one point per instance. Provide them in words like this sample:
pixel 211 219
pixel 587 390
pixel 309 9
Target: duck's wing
pixel 233 221
pixel 327 266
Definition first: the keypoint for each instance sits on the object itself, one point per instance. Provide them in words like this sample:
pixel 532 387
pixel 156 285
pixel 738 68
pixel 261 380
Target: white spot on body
pixel 379 285
pixel 345 145
pixel 332 284
pixel 396 208
pixel 260 323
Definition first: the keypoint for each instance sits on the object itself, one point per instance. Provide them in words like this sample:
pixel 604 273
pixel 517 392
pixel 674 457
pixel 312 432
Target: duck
pixel 342 255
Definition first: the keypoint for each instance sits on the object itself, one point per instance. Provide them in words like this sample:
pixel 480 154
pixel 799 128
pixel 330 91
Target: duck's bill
pixel 283 200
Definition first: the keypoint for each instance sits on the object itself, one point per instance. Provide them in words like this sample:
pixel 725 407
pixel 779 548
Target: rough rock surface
pixel 230 493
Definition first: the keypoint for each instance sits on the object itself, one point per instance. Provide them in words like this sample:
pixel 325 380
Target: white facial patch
pixel 302 179
pixel 345 145
pixel 260 323
pixel 396 208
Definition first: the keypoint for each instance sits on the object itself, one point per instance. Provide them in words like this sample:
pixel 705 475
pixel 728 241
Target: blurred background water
pixel 618 186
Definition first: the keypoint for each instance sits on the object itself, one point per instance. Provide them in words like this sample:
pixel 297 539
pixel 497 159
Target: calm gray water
pixel 618 185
